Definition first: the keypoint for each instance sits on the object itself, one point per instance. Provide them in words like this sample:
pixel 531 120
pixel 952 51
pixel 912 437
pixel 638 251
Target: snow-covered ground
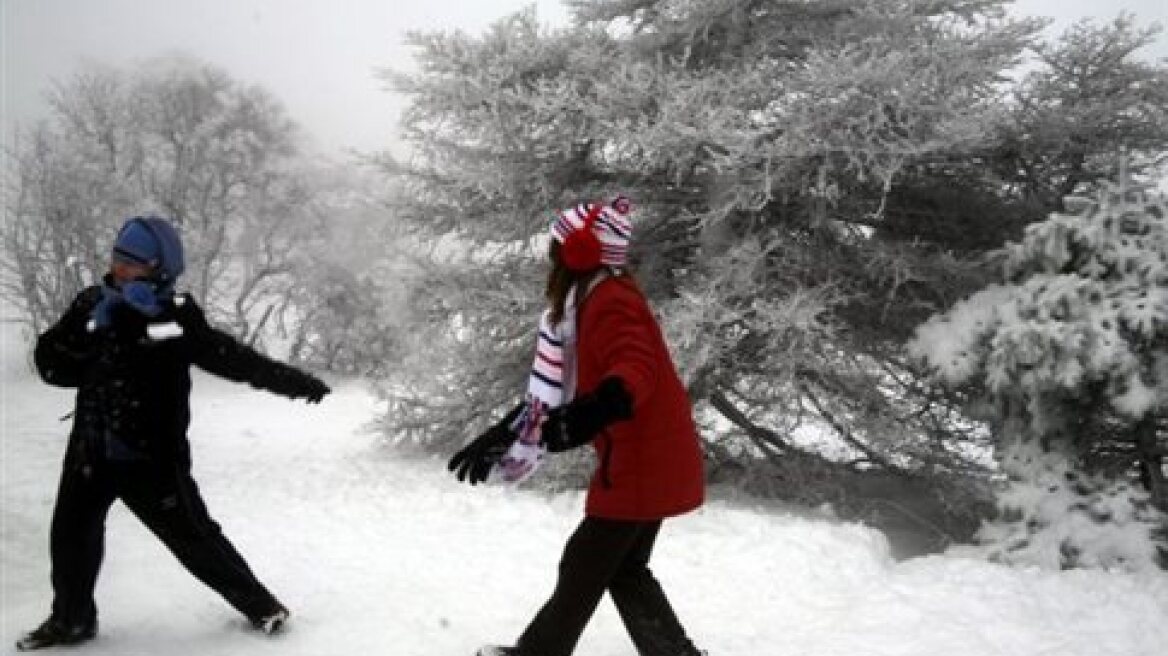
pixel 377 554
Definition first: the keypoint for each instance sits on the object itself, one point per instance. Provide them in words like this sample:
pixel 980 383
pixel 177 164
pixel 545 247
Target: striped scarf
pixel 551 383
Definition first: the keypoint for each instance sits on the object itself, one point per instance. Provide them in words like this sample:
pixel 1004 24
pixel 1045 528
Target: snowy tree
pixel 762 142
pixel 814 180
pixel 1090 104
pixel 1071 351
pixel 182 139
pixel 341 310
pixel 173 137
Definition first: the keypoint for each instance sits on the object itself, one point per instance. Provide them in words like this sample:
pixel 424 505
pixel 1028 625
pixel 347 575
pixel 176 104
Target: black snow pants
pixel 612 555
pixel 165 498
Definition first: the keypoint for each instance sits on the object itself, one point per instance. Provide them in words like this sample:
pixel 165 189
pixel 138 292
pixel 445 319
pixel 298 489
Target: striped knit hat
pixel 610 226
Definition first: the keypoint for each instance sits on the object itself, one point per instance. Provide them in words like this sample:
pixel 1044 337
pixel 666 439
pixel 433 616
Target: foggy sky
pixel 319 58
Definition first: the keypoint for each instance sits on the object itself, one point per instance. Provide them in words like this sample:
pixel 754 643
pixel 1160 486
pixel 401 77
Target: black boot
pixel 55 632
pixel 271 621
pixel 495 650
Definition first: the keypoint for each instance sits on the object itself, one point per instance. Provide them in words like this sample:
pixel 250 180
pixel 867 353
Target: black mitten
pixel 578 422
pixel 473 462
pixel 273 376
pixel 312 389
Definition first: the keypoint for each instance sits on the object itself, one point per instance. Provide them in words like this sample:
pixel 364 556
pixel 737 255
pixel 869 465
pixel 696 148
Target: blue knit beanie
pixel 151 241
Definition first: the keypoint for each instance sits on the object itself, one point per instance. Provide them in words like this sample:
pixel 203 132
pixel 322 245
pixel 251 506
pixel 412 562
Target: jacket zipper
pixel 605 459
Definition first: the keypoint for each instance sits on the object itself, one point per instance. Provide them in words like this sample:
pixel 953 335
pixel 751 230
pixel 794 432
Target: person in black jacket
pixel 127 346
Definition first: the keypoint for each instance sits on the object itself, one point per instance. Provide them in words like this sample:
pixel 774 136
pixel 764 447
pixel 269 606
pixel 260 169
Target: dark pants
pixel 605 554
pixel 166 499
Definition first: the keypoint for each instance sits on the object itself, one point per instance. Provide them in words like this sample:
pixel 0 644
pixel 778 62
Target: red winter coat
pixel 650 466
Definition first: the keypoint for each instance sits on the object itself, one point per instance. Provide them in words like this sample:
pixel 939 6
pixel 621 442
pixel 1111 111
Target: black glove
pixel 276 377
pixel 312 390
pixel 473 462
pixel 578 422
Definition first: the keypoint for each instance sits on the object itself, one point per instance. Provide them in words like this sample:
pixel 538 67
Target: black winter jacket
pixel 133 378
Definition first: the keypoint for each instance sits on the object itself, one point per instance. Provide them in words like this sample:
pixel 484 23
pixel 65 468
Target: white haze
pixel 321 59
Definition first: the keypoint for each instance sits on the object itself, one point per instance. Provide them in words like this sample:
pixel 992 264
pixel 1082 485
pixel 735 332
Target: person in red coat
pixel 633 409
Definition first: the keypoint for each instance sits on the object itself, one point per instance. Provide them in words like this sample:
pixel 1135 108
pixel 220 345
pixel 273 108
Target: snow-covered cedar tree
pixel 1092 99
pixel 809 178
pixel 753 135
pixel 1071 349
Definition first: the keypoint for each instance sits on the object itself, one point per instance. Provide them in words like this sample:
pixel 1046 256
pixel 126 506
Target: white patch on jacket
pixel 163 331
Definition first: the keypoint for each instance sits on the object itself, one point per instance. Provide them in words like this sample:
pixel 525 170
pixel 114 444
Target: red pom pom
pixel 581 250
pixel 622 204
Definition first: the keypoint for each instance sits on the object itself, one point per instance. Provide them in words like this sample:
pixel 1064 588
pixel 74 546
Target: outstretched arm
pixel 64 350
pixel 474 461
pixel 223 355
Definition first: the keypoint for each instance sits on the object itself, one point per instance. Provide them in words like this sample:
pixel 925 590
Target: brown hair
pixel 559 282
